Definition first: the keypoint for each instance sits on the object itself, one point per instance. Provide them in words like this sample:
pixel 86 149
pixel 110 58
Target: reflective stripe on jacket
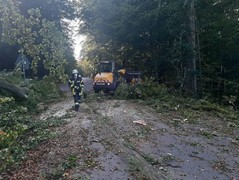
pixel 76 85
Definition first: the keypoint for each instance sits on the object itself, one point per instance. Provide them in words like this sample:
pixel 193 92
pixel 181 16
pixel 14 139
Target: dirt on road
pixel 119 139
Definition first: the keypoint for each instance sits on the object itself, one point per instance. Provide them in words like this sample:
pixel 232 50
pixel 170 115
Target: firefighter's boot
pixel 77 106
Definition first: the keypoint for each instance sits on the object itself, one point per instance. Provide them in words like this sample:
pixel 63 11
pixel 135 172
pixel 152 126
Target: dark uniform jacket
pixel 76 84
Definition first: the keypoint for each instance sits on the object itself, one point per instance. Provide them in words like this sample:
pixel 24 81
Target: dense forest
pixel 189 45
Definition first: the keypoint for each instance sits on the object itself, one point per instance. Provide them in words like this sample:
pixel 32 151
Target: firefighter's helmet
pixel 75 71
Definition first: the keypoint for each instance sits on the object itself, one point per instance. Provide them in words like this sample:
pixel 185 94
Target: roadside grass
pixel 71 162
pixel 128 143
pixel 151 160
pixel 102 119
pixel 141 133
pixel 206 134
pixel 15 142
pixel 62 170
pixel 81 161
pixel 196 112
pixel 20 128
pixel 164 101
pixel 167 158
pixel 194 144
pixel 136 169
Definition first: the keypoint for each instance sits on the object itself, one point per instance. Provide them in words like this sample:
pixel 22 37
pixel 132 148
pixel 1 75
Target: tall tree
pixel 191 83
pixel 34 36
pixel 43 40
pixel 218 22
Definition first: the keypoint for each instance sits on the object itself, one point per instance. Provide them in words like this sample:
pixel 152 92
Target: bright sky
pixel 78 39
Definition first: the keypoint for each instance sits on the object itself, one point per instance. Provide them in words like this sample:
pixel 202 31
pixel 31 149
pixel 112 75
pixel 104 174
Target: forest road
pixel 126 139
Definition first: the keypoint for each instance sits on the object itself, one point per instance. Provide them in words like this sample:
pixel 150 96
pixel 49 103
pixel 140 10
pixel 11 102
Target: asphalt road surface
pixel 88 82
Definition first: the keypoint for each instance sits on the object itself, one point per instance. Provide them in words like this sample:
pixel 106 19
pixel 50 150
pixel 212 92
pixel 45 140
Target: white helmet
pixel 75 71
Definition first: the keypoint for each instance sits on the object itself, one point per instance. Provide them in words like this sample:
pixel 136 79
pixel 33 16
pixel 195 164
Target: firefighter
pixel 77 86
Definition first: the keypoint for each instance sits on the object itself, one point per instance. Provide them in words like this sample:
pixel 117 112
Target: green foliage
pixel 143 90
pixel 20 130
pixel 70 163
pixel 122 91
pixel 167 158
pixel 164 100
pixel 42 91
pixel 154 37
pixel 134 165
pixel 26 134
pixel 86 68
pixel 209 106
pixel 136 169
pixel 39 131
pixel 39 38
pixel 62 169
pixel 13 77
pixel 206 134
pixel 6 100
pixel 151 160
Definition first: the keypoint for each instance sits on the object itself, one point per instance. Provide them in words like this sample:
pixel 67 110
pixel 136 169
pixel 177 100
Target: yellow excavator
pixel 109 76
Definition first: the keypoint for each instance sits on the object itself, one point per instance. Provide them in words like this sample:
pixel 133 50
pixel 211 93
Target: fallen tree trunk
pixel 18 92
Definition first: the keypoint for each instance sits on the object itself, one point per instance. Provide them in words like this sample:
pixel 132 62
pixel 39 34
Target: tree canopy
pixel 191 45
pixel 37 29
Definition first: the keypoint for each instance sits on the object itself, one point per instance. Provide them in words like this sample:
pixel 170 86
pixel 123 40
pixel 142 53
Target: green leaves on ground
pixel 165 100
pixel 20 129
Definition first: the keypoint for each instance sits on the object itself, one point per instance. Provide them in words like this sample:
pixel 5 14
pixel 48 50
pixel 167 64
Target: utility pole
pixel 23 61
pixel 23 64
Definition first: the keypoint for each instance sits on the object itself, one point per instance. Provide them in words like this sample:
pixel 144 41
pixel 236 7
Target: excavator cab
pixel 106 66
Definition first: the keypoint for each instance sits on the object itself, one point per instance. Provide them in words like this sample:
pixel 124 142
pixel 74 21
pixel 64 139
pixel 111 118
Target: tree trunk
pixel 19 93
pixel 191 82
pixel 199 83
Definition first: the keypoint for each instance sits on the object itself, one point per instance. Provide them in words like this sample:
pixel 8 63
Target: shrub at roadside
pixel 42 91
pixel 143 90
